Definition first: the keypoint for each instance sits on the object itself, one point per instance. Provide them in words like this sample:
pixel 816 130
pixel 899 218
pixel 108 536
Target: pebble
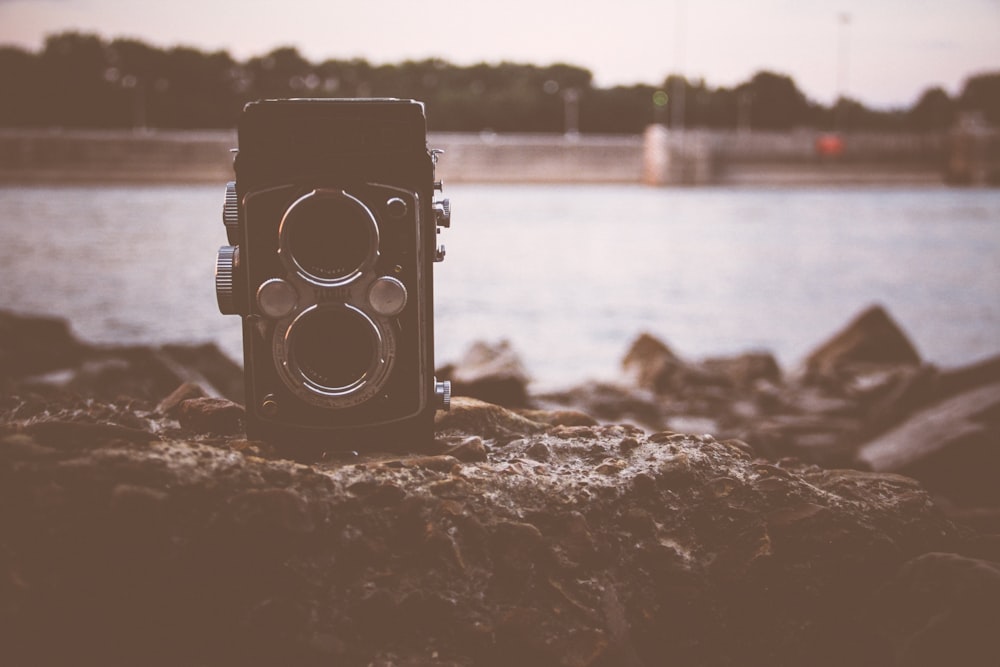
pixel 211 415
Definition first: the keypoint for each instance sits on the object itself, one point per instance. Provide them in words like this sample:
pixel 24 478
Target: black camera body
pixel 333 238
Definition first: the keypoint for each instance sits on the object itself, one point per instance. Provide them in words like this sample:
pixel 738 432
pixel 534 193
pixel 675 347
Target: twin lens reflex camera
pixel 333 227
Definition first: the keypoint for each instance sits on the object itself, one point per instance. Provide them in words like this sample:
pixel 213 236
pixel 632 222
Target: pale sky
pixel 882 52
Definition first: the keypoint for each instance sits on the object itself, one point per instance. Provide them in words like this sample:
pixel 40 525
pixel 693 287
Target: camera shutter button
pixel 387 296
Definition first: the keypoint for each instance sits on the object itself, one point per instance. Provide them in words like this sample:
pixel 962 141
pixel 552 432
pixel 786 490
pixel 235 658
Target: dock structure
pixel 970 154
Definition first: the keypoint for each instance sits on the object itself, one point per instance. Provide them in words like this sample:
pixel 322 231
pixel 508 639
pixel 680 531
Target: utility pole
pixel 843 62
pixel 677 94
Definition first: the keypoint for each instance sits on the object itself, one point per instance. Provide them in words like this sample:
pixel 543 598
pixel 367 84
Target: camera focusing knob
pixel 442 213
pixel 442 392
pixel 225 270
pixel 231 213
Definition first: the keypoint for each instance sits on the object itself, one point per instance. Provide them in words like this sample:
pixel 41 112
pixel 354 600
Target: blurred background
pixel 724 175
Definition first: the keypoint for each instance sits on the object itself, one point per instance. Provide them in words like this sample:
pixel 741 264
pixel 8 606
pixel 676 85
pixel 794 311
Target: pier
pixel 970 154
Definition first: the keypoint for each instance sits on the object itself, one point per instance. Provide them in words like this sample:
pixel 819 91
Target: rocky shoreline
pixel 712 512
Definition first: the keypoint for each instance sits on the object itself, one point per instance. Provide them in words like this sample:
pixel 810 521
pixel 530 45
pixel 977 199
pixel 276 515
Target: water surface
pixel 569 274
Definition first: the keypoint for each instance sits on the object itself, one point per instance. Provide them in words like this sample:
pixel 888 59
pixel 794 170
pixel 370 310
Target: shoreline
pixel 140 526
pixel 692 158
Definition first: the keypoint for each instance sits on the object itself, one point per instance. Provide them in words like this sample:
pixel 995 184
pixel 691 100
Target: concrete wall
pixel 699 157
pixel 538 158
pixel 660 157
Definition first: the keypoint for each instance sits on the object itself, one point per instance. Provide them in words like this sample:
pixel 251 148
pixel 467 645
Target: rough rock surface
pixel 862 399
pixel 138 525
pixel 135 541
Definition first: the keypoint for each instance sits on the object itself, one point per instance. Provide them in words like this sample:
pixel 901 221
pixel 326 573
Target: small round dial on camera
pixel 328 237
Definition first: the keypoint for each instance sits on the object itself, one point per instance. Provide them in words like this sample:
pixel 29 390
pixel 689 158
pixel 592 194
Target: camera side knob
pixel 225 271
pixel 442 213
pixel 231 213
pixel 442 394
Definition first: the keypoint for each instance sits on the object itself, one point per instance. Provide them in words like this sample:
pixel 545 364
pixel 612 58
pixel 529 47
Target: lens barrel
pixel 334 349
pixel 328 237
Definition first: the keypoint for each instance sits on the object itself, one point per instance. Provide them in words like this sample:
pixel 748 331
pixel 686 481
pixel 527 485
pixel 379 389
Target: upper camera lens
pixel 329 236
pixel 334 349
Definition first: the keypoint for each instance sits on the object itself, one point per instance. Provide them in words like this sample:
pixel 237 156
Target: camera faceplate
pixel 344 352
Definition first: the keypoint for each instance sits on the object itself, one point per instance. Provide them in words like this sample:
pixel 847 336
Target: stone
pixel 31 345
pixel 745 370
pixel 942 609
pixel 608 402
pixel 952 446
pixel 472 415
pixel 573 545
pixel 170 405
pixel 872 338
pixel 469 450
pixel 490 372
pixel 559 417
pixel 211 415
pixel 650 364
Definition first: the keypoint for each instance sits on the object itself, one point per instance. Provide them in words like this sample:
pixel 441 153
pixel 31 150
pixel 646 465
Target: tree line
pixel 82 80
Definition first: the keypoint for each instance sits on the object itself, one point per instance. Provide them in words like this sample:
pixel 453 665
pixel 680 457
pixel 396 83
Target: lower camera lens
pixel 329 235
pixel 333 348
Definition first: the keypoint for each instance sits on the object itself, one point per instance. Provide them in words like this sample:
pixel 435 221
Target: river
pixel 569 274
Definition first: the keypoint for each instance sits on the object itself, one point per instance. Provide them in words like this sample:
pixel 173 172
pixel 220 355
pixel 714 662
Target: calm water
pixel 569 274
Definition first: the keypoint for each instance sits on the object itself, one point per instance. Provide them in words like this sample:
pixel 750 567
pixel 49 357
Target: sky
pixel 884 53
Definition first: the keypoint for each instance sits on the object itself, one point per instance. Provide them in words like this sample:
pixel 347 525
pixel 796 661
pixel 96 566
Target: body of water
pixel 569 274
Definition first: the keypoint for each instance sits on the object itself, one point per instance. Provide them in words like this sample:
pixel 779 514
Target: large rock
pixel 41 354
pixel 31 345
pixel 610 403
pixel 519 542
pixel 651 365
pixel 871 339
pixel 489 372
pixel 953 446
pixel 942 609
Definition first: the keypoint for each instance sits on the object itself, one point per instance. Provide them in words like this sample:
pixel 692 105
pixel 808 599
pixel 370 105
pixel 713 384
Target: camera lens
pixel 329 236
pixel 333 348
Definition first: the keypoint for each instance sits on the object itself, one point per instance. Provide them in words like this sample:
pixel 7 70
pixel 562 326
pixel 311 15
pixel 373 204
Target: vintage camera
pixel 333 237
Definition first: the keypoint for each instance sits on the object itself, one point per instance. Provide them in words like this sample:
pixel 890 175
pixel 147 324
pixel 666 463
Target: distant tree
pixel 281 73
pixel 618 110
pixel 775 102
pixel 982 93
pixel 79 80
pixel 933 111
pixel 76 91
pixel 22 85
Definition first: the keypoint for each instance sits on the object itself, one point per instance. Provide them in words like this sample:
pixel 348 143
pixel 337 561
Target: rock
pixel 745 370
pixel 32 345
pixel 211 415
pixel 209 367
pixel 608 403
pixel 559 417
pixel 650 364
pixel 942 609
pixel 41 354
pixel 171 404
pixel 470 415
pixel 951 446
pixel 469 450
pixel 872 338
pixel 492 373
pixel 568 544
